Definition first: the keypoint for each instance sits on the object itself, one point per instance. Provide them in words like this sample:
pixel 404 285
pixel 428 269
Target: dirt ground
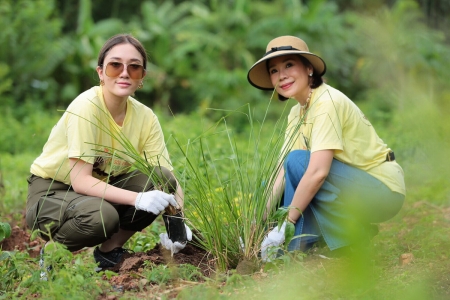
pixel 130 274
pixel 129 271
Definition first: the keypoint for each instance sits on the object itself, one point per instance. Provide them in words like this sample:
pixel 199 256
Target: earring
pixel 311 74
pixel 141 85
pixel 102 82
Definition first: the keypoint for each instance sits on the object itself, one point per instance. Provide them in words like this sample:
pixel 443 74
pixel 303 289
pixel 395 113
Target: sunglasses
pixel 114 69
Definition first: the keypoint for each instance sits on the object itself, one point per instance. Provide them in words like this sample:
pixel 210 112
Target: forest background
pixel 391 57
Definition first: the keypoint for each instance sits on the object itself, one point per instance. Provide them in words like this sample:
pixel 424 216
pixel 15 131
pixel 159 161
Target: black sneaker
pixel 108 259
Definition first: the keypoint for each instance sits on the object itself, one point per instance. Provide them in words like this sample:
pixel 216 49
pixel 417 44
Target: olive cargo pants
pixel 79 221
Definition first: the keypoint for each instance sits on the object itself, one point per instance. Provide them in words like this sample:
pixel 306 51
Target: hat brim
pixel 258 76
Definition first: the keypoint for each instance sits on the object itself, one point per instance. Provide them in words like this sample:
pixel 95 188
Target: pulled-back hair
pixel 118 40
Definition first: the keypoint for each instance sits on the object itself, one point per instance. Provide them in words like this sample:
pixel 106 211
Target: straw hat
pixel 258 75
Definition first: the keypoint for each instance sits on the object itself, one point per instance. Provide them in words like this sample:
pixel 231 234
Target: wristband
pixel 290 220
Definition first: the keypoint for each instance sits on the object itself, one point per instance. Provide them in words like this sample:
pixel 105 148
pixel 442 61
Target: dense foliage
pixel 200 51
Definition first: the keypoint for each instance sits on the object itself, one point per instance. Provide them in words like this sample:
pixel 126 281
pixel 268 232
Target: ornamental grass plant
pixel 226 192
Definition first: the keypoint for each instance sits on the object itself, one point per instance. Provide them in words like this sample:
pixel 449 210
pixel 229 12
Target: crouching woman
pixel 338 178
pixel 82 191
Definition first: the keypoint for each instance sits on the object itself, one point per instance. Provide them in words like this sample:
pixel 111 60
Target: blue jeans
pixel 342 210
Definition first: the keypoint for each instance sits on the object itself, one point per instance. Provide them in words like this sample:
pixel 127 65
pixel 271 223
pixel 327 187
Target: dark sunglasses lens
pixel 135 71
pixel 113 69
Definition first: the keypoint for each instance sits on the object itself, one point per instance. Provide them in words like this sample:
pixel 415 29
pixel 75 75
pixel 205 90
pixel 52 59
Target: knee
pixel 90 226
pixel 104 222
pixel 297 161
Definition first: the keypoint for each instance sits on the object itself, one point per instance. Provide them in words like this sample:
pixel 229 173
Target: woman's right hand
pixel 154 201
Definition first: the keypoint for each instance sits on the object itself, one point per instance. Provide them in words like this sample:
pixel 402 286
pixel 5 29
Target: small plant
pixel 5 231
pixel 21 274
pixel 159 274
pixel 15 267
pixel 162 274
pixel 66 271
pixel 189 272
pixel 145 240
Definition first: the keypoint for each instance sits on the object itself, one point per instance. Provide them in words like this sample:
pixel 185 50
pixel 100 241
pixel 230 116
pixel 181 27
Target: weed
pixel 159 274
pixel 5 231
pixel 189 272
pixel 145 240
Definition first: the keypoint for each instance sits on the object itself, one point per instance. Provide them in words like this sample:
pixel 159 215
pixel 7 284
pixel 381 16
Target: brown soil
pixel 130 270
pixel 20 238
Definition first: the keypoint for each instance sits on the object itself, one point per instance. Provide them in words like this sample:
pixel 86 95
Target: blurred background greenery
pixel 388 56
pixel 391 57
pixel 200 50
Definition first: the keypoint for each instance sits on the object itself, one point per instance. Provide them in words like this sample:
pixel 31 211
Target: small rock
pixel 143 282
pixel 405 259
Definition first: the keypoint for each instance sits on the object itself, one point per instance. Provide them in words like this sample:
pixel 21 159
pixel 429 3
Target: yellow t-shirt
pixel 82 132
pixel 333 121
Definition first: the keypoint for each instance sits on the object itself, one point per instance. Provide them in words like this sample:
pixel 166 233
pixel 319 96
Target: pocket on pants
pixel 51 210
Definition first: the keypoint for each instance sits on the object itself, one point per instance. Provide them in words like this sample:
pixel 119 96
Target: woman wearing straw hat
pixel 338 176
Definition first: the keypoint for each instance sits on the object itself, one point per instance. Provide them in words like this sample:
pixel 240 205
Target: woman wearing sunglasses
pixel 82 191
pixel 338 177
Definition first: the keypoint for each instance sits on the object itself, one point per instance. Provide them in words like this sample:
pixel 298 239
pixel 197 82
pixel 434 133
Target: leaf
pixel 289 233
pixel 5 255
pixel 281 214
pixel 34 234
pixel 5 231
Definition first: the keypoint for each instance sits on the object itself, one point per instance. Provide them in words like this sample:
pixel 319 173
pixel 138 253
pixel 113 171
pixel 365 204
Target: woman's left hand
pixel 274 239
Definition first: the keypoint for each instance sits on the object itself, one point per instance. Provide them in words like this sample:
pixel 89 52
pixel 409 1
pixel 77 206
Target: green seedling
pixel 5 231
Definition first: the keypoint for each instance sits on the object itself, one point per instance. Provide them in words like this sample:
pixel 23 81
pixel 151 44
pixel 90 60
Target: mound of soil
pixel 20 238
pixel 129 270
pixel 189 255
pixel 20 241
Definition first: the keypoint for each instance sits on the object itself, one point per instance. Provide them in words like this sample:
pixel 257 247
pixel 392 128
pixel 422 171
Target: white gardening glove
pixel 274 239
pixel 177 246
pixel 154 201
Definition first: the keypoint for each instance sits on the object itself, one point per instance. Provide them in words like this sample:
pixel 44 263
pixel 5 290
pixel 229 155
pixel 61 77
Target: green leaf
pixel 5 231
pixel 5 255
pixel 281 214
pixel 289 233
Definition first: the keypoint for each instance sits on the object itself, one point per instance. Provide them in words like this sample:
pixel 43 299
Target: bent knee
pixel 103 221
pixel 297 160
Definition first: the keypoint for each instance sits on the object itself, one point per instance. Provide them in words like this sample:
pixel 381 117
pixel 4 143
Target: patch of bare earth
pixel 20 239
pixel 130 271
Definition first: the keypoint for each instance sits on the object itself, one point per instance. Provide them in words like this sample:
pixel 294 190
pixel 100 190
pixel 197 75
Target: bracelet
pixel 290 220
